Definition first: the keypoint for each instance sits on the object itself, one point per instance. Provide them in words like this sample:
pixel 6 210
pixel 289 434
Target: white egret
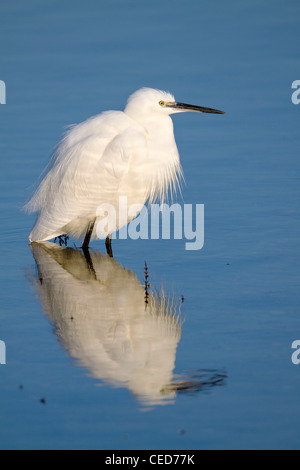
pixel 130 154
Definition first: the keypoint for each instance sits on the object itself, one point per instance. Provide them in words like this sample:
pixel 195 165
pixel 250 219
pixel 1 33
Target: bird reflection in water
pixel 104 319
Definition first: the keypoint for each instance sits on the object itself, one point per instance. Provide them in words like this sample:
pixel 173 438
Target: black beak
pixel 192 108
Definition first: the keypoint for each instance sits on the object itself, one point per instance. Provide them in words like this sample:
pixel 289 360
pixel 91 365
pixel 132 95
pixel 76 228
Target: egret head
pixel 149 102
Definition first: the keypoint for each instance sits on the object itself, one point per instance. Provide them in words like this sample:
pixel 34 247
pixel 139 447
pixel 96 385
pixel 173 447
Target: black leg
pixel 108 247
pixel 89 232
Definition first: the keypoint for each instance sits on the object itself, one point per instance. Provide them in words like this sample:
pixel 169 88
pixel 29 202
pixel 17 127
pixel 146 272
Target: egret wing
pixel 85 171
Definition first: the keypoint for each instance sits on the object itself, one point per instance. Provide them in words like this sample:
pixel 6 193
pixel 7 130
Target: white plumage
pixel 131 154
pixel 101 319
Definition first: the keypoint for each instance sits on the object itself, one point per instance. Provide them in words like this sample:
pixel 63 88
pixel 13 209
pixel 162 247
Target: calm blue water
pixel 82 348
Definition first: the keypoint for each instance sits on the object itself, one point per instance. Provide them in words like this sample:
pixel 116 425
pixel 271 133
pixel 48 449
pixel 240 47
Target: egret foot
pixel 88 235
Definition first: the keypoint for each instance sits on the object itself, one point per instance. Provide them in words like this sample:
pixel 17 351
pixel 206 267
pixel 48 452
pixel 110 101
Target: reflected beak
pixel 182 107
